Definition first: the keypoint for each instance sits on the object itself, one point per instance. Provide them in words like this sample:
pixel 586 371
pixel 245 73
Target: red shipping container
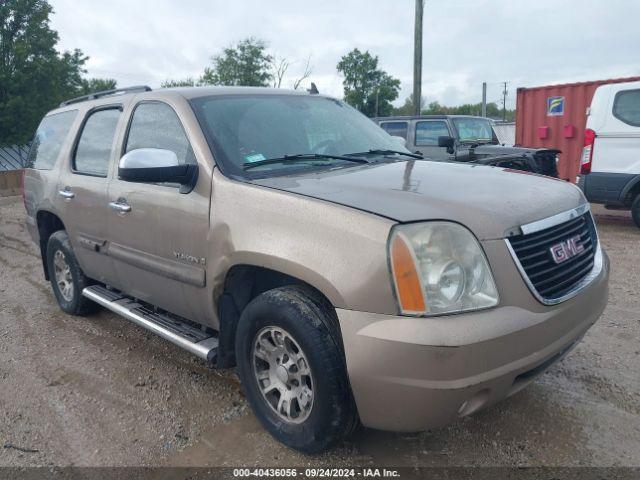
pixel 560 111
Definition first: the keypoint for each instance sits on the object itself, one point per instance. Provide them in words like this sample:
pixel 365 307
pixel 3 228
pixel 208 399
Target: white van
pixel 610 164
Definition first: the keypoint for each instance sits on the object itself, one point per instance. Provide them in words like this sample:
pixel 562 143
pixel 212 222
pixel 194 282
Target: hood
pixel 488 200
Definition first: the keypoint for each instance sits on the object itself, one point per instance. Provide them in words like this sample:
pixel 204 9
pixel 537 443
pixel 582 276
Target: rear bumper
pixel 412 374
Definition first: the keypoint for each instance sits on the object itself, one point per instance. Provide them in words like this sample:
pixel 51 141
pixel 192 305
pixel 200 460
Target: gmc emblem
pixel 563 251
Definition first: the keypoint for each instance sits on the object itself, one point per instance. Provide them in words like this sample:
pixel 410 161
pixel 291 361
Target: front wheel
pixel 292 368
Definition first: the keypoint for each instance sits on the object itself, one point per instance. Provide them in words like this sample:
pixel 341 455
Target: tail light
pixel 587 151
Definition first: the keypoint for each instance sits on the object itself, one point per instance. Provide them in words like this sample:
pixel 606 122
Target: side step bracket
pixel 183 334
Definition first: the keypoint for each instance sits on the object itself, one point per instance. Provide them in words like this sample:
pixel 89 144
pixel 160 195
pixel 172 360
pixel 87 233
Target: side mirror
pixel 150 165
pixel 448 143
pixel 445 142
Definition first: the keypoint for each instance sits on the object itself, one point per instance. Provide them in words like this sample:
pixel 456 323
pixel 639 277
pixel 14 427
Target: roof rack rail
pixel 106 93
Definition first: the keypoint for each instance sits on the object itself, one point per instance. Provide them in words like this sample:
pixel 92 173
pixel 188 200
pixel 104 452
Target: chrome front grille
pixel 556 257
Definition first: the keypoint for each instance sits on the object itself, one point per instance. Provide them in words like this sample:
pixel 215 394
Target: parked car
pixel 464 138
pixel 286 234
pixel 610 164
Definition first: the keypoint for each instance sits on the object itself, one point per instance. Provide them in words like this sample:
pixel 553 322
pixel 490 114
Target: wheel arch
pixel 630 190
pixel 47 223
pixel 244 282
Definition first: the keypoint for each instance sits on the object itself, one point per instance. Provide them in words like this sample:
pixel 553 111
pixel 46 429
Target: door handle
pixel 66 193
pixel 120 207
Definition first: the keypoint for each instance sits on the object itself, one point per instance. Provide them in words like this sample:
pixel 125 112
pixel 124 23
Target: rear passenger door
pixel 157 235
pixel 426 139
pixel 81 196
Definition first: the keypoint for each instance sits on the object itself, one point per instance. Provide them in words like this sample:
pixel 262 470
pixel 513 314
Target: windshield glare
pixel 473 129
pixel 250 128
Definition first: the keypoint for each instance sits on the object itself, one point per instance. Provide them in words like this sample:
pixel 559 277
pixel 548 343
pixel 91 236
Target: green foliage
pixel 184 82
pixel 365 85
pixel 407 107
pixel 245 64
pixel 92 85
pixel 34 77
pixel 434 108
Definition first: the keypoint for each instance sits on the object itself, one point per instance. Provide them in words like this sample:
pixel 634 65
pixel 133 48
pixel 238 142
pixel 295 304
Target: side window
pixel 397 129
pixel 626 107
pixel 96 141
pixel 156 125
pixel 49 139
pixel 427 133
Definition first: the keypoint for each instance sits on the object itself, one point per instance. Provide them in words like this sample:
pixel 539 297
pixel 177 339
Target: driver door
pixel 426 139
pixel 158 236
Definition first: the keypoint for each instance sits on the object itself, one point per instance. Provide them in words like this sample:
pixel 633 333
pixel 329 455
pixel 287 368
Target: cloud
pixel 466 42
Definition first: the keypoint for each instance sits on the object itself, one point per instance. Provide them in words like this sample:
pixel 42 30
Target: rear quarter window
pixel 49 139
pixel 626 107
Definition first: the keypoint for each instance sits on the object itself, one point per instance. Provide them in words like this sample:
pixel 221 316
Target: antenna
pixel 313 90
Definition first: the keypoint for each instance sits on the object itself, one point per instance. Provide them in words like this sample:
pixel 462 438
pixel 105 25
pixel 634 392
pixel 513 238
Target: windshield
pixel 251 128
pixel 473 129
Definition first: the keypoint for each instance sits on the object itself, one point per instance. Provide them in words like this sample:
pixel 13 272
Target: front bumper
pixel 412 374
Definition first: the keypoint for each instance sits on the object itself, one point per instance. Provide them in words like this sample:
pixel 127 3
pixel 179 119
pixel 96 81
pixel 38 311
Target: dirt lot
pixel 101 391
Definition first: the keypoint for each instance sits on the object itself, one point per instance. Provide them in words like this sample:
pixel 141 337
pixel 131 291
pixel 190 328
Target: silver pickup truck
pixel 284 233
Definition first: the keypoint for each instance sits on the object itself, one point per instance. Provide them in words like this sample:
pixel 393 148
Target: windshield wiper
pixel 303 156
pixel 381 151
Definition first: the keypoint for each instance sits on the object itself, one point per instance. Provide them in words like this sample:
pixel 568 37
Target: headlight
pixel 439 267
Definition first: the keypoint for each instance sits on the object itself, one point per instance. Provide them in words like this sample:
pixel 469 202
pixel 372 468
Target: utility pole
pixel 504 102
pixel 417 58
pixel 377 97
pixel 484 99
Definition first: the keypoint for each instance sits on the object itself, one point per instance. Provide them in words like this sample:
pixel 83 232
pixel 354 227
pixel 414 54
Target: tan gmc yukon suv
pixel 284 233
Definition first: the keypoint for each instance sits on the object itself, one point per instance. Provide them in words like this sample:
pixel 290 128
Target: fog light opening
pixel 474 404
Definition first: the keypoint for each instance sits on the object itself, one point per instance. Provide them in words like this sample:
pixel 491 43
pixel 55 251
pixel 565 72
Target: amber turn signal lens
pixel 406 278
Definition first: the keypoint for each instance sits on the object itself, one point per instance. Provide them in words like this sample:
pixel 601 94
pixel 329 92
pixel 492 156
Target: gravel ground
pixel 99 391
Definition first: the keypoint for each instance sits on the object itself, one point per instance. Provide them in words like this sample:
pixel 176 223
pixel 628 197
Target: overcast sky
pixel 466 42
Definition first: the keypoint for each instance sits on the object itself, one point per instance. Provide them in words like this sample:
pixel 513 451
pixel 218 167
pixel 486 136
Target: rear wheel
pixel 292 368
pixel 67 278
pixel 635 210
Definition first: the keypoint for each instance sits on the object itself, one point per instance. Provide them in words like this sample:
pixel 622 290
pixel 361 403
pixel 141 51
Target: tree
pixel 493 111
pixel 246 64
pixel 279 68
pixel 34 77
pixel 407 107
pixel 306 73
pixel 185 82
pixel 366 87
pixel 92 85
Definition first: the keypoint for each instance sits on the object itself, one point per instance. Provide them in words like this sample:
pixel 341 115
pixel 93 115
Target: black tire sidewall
pixel 331 392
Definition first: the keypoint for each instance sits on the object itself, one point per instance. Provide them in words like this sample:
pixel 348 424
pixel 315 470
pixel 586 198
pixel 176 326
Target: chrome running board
pixel 180 333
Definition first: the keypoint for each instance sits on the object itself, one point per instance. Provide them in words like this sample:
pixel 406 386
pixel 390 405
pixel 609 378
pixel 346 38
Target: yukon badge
pixel 189 258
pixel 563 251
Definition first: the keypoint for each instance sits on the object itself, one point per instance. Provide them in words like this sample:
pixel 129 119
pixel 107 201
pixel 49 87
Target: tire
pixel 635 210
pixel 60 256
pixel 303 320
